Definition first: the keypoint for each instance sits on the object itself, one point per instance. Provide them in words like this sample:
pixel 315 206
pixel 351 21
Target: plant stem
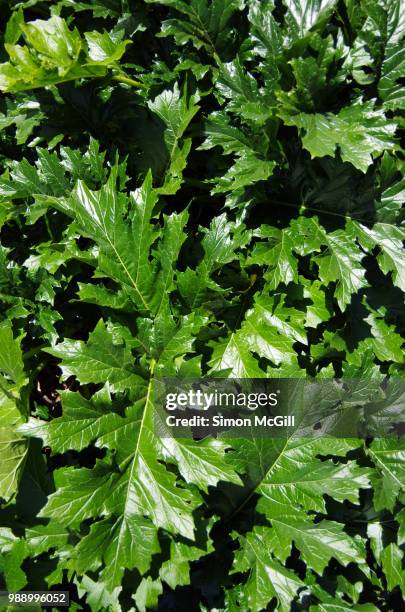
pixel 121 78
pixel 48 227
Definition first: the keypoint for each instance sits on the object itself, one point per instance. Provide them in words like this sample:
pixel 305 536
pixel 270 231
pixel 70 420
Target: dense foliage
pixel 198 188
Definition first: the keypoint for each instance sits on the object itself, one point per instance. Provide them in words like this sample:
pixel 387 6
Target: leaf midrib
pixel 141 427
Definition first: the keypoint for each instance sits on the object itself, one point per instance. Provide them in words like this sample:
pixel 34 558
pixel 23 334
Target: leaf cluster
pixel 202 188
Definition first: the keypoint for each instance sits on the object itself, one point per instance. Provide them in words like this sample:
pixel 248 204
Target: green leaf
pixel 55 54
pixel 220 132
pixel 99 360
pixel 204 24
pixel 267 578
pixel 165 339
pixel 250 165
pixel 240 88
pixel 306 480
pixel 290 483
pixel 400 518
pixel 328 603
pixel 11 363
pixel 265 35
pixel 375 534
pixel 246 170
pixel 12 553
pixel 141 487
pixel 52 174
pixel 389 239
pixel 112 542
pixel 269 330
pixel 147 594
pixel 318 311
pixel 13 447
pixel 317 543
pixel 392 195
pixel 176 571
pixel 83 421
pixel 43 537
pixel 392 69
pixel 388 455
pixel 102 49
pixel 125 245
pixel 203 463
pixel 301 17
pixel 360 131
pixel 342 263
pixel 277 254
pixel 387 345
pixel 100 8
pixel 97 595
pixel 176 111
pixel 13 410
pixel 391 560
pixel 233 358
pixel 138 483
pixel 219 243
